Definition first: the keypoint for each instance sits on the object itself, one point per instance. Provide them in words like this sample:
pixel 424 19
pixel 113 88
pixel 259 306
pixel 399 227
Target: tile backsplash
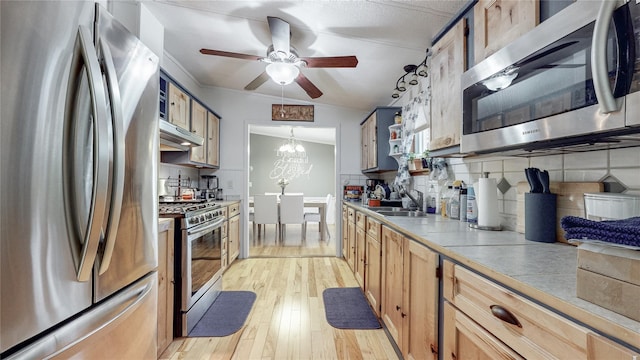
pixel 619 169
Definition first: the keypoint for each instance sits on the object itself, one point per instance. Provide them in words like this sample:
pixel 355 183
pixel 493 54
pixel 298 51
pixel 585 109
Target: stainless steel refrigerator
pixel 78 204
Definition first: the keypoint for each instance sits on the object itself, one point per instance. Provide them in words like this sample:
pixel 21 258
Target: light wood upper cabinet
pixel 374 137
pixel 213 139
pixel 498 22
pixel 199 127
pixel 447 65
pixel 179 107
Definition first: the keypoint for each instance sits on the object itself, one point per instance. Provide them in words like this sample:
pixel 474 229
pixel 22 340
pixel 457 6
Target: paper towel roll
pixel 487 199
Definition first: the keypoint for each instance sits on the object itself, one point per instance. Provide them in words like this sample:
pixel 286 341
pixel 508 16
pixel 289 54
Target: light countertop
pixel 543 272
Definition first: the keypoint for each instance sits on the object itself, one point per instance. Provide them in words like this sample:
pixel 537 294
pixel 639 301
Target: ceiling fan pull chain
pixel 282 102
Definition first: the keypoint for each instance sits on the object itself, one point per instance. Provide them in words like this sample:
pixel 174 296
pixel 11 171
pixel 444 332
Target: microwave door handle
pixel 599 58
pixel 117 175
pixel 85 54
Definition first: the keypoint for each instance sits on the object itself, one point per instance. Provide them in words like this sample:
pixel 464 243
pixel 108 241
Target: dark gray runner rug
pixel 226 315
pixel 347 308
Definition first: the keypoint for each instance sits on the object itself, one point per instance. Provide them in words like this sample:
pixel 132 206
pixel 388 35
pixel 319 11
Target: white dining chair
pixel 291 212
pixel 317 217
pixel 265 211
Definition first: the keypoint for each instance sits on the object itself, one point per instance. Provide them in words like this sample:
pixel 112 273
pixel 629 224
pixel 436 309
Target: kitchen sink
pixel 386 208
pixel 415 213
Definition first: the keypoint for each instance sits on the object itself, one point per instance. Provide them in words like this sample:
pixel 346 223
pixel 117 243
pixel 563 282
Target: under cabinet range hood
pixel 174 138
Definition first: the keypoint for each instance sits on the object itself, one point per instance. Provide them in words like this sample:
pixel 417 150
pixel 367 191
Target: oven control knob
pixel 194 220
pixel 202 218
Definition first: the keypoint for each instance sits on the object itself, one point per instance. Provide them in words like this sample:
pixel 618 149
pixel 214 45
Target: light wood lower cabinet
pixel 360 249
pixel 465 339
pixel 527 328
pixel 350 254
pixel 233 249
pixel 410 295
pixel 345 231
pixel 373 265
pixel 165 283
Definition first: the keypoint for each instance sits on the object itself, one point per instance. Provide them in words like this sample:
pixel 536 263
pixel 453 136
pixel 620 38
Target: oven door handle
pixel 197 232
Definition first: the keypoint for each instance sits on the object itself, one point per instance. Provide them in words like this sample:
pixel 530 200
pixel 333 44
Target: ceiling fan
pixel 284 62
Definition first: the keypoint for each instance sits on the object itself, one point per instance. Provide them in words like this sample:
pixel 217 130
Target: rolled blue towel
pixel 624 232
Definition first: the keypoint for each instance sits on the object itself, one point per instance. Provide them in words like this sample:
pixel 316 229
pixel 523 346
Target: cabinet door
pixel 372 272
pixel 213 140
pixel 599 347
pixel 447 64
pixel 351 246
pixel 364 146
pixel 345 232
pixel 420 289
pixel 165 287
pixel 392 311
pixel 360 252
pixel 496 23
pixel 198 126
pixel 233 249
pixel 372 155
pixel 464 339
pixel 179 107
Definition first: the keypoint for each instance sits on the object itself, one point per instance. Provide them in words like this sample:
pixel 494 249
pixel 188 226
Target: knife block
pixel 540 217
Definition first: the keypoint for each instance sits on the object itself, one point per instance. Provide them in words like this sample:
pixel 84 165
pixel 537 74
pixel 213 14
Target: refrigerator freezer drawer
pixel 122 327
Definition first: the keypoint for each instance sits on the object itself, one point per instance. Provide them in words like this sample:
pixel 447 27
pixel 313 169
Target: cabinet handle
pixel 403 314
pixel 397 307
pixel 433 350
pixel 173 103
pixel 504 315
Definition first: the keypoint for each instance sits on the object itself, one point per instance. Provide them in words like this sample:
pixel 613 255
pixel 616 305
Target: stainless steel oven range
pixel 198 259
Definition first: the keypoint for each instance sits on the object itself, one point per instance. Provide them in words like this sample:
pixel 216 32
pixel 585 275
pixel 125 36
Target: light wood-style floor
pixel 264 244
pixel 287 320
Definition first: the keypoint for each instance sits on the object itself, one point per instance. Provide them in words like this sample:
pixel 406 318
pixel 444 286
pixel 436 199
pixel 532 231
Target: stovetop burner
pixel 182 207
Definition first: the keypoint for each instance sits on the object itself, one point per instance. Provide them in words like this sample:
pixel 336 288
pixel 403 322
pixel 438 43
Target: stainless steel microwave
pixel 572 83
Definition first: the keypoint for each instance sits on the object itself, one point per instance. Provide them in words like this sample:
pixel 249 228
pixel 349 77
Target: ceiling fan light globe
pixel 395 94
pixel 282 73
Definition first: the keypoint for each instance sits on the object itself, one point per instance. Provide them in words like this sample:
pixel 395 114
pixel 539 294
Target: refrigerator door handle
pixel 118 168
pixel 85 237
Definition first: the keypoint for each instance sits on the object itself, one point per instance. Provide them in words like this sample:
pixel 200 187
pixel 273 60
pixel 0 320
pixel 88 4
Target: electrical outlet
pixel 229 184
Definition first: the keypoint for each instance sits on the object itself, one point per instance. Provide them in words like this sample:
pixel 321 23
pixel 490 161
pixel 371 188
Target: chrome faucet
pixel 418 202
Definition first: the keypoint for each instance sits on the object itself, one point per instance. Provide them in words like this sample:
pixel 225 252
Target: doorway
pixel 311 171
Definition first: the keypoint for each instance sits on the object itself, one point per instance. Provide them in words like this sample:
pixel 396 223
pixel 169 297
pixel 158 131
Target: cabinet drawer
pixel 361 220
pixel 534 333
pixel 373 228
pixel 233 210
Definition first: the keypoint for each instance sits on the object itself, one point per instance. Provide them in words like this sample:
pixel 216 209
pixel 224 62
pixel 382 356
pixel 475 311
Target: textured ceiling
pixel 384 35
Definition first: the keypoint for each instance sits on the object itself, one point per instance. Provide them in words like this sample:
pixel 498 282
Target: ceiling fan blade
pixel 331 61
pixel 261 79
pixel 229 54
pixel 280 35
pixel 308 86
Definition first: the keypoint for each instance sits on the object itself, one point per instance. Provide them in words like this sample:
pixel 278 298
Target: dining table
pixel 312 202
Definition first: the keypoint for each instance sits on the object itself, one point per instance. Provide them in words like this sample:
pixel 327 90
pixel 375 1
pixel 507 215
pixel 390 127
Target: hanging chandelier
pixel 292 148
